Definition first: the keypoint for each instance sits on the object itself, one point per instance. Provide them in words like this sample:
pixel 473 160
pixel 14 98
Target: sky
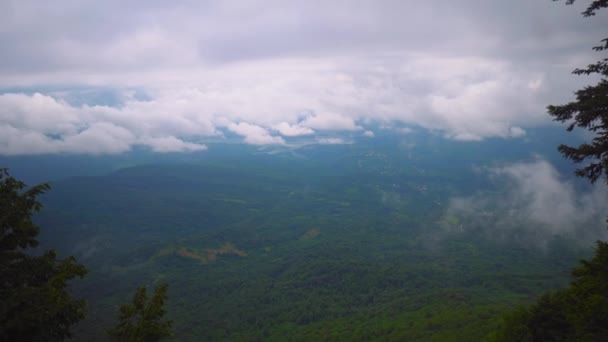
pixel 100 77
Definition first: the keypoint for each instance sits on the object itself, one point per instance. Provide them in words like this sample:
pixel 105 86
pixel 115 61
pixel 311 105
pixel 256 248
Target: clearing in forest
pixel 311 233
pixel 210 255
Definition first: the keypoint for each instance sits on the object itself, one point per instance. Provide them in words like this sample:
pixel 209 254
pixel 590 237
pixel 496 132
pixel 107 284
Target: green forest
pixel 282 247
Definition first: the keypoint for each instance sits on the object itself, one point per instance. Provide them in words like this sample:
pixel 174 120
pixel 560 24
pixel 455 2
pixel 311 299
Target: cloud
pixel 533 204
pixel 14 141
pixel 38 113
pixel 368 134
pixel 37 124
pixel 296 68
pixel 331 121
pixel 340 98
pixel 331 141
pixel 255 135
pixel 172 144
pixel 289 130
pixel 100 137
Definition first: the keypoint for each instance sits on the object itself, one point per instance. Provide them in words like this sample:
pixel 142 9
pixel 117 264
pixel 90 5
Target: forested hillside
pixel 341 242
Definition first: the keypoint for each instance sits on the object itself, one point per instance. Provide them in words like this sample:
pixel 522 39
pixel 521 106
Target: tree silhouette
pixel 141 320
pixel 34 304
pixel 579 312
pixel 576 313
pixel 590 112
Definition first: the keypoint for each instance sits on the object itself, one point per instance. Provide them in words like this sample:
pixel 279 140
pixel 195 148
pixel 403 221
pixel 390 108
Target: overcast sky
pixel 103 76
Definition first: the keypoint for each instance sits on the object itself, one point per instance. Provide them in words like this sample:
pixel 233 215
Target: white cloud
pixel 255 135
pixel 331 121
pixel 404 130
pixel 39 113
pixel 292 68
pixel 172 144
pixel 331 141
pixel 292 130
pixel 552 201
pixel 15 141
pixel 368 134
pixel 100 137
pixel 36 124
pixel 534 203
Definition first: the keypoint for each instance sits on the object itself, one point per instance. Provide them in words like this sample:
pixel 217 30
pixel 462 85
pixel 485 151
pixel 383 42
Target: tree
pixel 35 305
pixel 141 320
pixel 577 313
pixel 589 111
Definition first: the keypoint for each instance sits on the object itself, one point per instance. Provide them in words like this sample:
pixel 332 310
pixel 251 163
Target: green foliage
pixel 590 112
pixel 372 273
pixel 35 305
pixel 577 313
pixel 142 320
pixel 592 8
